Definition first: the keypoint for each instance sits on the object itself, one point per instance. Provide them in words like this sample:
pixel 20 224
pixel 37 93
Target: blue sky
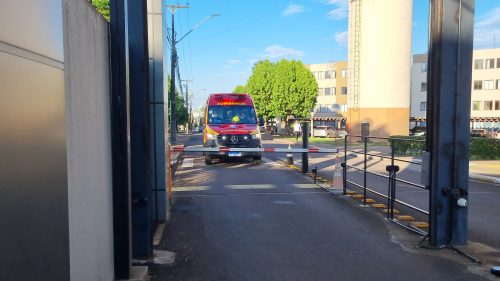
pixel 220 54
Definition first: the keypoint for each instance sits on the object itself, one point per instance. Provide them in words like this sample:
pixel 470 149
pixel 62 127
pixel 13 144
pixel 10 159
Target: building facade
pixel 485 95
pixel 379 57
pixel 331 105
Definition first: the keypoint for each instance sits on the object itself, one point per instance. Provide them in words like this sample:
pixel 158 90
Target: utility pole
pixel 173 60
pixel 186 101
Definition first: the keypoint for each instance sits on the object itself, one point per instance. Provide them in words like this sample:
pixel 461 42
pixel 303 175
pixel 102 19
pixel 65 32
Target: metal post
pixel 365 138
pixel 140 128
pixel 119 141
pixel 448 115
pixel 173 64
pixel 344 168
pixel 305 143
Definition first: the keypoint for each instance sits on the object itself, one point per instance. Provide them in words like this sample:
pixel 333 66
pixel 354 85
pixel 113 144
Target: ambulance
pixel 231 121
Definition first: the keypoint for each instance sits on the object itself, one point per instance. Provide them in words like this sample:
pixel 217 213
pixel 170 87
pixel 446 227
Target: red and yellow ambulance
pixel 231 121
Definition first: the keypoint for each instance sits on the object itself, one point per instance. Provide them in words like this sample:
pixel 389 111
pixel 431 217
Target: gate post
pixel 305 143
pixel 448 115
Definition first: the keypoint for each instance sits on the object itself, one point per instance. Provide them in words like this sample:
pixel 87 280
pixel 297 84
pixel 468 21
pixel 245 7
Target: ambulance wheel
pixel 257 159
pixel 208 159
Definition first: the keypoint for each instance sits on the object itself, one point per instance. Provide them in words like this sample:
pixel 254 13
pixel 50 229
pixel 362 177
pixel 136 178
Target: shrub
pixel 408 146
pixel 480 148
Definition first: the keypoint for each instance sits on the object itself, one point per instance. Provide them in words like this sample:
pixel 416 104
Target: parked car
pixel 324 131
pixel 341 133
pixel 479 133
pixel 200 129
pixel 494 133
pixel 418 131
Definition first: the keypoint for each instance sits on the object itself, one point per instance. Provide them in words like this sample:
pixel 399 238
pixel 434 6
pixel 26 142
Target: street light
pixel 173 122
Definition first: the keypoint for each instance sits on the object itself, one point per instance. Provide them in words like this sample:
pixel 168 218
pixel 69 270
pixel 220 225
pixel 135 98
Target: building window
pixel 328 74
pixel 321 92
pixel 321 75
pixel 423 106
pixel 497 105
pixel 478 85
pixel 497 86
pixel 334 74
pixel 498 62
pixel 478 64
pixel 328 92
pixel 344 73
pixel 343 90
pixel 423 87
pixel 489 85
pixel 334 91
pixel 488 105
pixel 423 67
pixel 476 105
pixel 489 63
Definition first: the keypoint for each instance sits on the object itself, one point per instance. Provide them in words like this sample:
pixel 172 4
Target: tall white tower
pixel 379 66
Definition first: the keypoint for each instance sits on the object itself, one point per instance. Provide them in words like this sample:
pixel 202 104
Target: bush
pixel 480 148
pixel 484 149
pixel 408 146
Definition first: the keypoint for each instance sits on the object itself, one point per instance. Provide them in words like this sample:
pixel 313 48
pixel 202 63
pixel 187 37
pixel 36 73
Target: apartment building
pixel 485 89
pixel 331 105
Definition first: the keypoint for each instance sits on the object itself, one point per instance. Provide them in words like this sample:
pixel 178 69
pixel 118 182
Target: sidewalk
pixel 482 170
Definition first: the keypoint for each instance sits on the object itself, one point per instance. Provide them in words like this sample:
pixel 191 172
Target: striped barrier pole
pixel 181 148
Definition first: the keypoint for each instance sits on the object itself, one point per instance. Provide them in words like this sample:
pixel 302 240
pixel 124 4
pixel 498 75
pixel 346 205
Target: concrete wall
pixel 89 142
pixel 379 70
pixel 33 173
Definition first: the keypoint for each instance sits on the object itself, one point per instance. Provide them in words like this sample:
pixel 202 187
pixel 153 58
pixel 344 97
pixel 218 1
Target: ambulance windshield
pixel 231 115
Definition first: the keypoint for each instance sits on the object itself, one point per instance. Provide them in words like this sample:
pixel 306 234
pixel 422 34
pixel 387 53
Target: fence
pixel 392 171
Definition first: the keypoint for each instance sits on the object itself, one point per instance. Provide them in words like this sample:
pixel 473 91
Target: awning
pixel 327 116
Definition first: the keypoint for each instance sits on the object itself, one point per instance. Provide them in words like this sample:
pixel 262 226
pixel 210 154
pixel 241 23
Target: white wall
pixel 385 54
pixel 89 142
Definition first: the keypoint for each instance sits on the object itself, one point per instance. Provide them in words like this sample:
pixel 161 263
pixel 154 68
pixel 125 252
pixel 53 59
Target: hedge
pixel 480 148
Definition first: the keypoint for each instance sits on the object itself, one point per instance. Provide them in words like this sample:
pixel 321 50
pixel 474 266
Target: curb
pixel 484 178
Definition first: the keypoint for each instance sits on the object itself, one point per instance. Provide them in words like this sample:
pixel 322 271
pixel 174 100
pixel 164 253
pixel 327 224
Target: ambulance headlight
pixel 255 136
pixel 211 136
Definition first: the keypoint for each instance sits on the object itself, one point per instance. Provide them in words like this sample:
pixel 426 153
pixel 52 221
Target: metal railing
pixel 391 176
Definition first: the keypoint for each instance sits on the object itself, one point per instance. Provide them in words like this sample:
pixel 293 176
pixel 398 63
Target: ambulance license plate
pixel 234 154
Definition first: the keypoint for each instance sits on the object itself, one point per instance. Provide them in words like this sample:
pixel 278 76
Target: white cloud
pixel 487 29
pixel 292 10
pixel 341 38
pixel 234 61
pixel 340 10
pixel 277 51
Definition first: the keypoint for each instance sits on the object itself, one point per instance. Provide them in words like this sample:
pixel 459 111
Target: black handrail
pixel 392 178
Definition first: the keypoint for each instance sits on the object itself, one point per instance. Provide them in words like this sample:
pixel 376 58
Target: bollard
pixel 315 172
pixel 337 175
pixel 289 157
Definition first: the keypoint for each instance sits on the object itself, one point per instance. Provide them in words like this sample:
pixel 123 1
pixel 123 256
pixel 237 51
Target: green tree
pixel 181 113
pixel 102 6
pixel 240 89
pixel 260 87
pixel 294 90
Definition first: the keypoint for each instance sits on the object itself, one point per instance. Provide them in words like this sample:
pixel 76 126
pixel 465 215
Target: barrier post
pixel 305 143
